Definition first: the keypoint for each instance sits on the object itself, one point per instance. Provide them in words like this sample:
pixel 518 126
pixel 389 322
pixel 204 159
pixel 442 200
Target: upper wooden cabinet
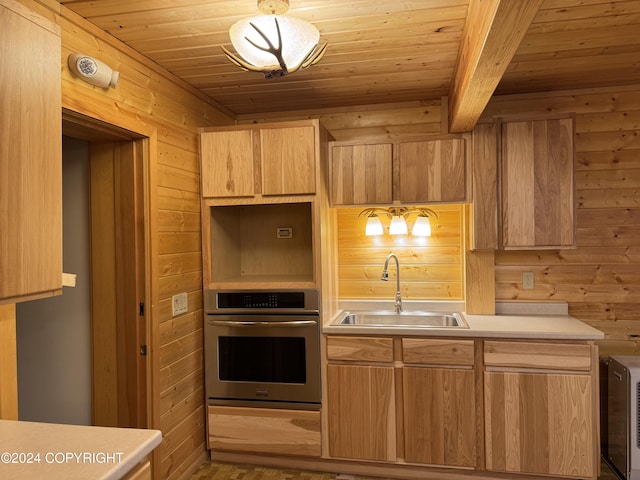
pixel 361 174
pixel 30 156
pixel 267 159
pixel 288 157
pixel 227 163
pixel 419 171
pixel 538 188
pixel 431 171
pixel 523 188
pixel 484 186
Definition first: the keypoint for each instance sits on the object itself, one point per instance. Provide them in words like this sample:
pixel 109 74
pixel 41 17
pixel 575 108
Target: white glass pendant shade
pixel 421 227
pixel 299 38
pixel 398 226
pixel 374 226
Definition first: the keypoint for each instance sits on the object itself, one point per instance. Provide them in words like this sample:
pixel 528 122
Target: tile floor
pixel 227 471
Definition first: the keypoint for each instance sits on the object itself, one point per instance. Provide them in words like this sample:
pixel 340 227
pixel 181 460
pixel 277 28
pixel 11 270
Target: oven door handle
pixel 235 323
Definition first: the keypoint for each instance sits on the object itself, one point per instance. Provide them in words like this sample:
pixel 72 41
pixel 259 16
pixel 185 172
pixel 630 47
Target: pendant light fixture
pixel 398 225
pixel 273 43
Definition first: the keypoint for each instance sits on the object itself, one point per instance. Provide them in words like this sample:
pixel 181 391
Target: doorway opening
pixel 116 283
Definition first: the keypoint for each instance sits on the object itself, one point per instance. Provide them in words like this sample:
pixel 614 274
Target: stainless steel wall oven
pixel 262 348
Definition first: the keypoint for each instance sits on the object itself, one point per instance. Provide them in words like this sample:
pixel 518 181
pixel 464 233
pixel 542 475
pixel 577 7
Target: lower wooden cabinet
pixel 141 472
pixel 539 423
pixel 540 407
pixel 264 430
pixel 397 404
pixel 361 412
pixel 439 416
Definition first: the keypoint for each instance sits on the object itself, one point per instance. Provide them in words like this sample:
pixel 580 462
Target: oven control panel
pixel 290 301
pixel 260 300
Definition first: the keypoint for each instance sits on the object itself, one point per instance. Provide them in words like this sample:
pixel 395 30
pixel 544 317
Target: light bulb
pixel 374 226
pixel 422 227
pixel 398 226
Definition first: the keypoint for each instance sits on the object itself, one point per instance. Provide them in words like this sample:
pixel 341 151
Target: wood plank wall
pixel 430 267
pixel 150 101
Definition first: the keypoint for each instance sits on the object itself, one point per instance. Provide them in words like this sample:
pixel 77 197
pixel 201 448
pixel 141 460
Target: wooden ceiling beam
pixel 493 31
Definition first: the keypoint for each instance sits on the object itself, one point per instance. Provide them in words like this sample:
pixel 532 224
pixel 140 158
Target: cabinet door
pixel 227 164
pixel 288 160
pixel 538 199
pixel 439 416
pixel 484 178
pixel 432 171
pixel 539 423
pixel 361 174
pixel 361 412
pixel 30 156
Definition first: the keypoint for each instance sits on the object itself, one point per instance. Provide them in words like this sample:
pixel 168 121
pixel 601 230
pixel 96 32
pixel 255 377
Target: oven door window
pixel 262 359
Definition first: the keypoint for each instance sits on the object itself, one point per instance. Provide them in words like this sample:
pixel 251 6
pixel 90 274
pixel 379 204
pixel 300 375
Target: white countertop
pixel 552 323
pixel 30 450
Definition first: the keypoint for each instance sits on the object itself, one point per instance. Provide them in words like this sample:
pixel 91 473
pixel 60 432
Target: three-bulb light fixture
pixel 398 225
pixel 273 43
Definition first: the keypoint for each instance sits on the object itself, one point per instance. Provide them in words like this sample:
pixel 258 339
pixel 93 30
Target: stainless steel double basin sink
pixel 414 319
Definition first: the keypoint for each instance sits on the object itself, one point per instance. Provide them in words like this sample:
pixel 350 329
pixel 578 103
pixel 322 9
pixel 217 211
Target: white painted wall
pixel 53 334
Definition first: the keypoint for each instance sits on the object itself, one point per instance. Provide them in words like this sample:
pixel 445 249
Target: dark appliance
pixel 623 408
pixel 262 348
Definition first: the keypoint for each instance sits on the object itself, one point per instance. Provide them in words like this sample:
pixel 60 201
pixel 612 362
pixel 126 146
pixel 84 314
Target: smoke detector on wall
pixel 93 71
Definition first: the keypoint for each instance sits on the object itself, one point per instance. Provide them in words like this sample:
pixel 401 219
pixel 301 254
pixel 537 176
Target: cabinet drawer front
pixel 554 356
pixel 369 349
pixel 264 430
pixel 437 351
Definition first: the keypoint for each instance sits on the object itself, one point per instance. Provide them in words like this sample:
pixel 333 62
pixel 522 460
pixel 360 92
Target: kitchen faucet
pixel 385 277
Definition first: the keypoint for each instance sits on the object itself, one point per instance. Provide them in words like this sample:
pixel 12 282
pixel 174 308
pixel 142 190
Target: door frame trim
pixel 122 129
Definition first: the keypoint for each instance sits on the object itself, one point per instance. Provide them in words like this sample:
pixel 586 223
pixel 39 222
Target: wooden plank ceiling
pixel 390 51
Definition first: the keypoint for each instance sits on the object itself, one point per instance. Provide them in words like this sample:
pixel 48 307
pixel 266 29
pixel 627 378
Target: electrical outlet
pixel 179 304
pixel 527 280
pixel 284 232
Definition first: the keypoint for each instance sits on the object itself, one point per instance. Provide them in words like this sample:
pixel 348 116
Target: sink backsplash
pixel 431 268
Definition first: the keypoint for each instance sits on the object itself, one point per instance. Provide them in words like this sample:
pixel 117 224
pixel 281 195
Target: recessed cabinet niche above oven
pixel 261 244
pixel 265 211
